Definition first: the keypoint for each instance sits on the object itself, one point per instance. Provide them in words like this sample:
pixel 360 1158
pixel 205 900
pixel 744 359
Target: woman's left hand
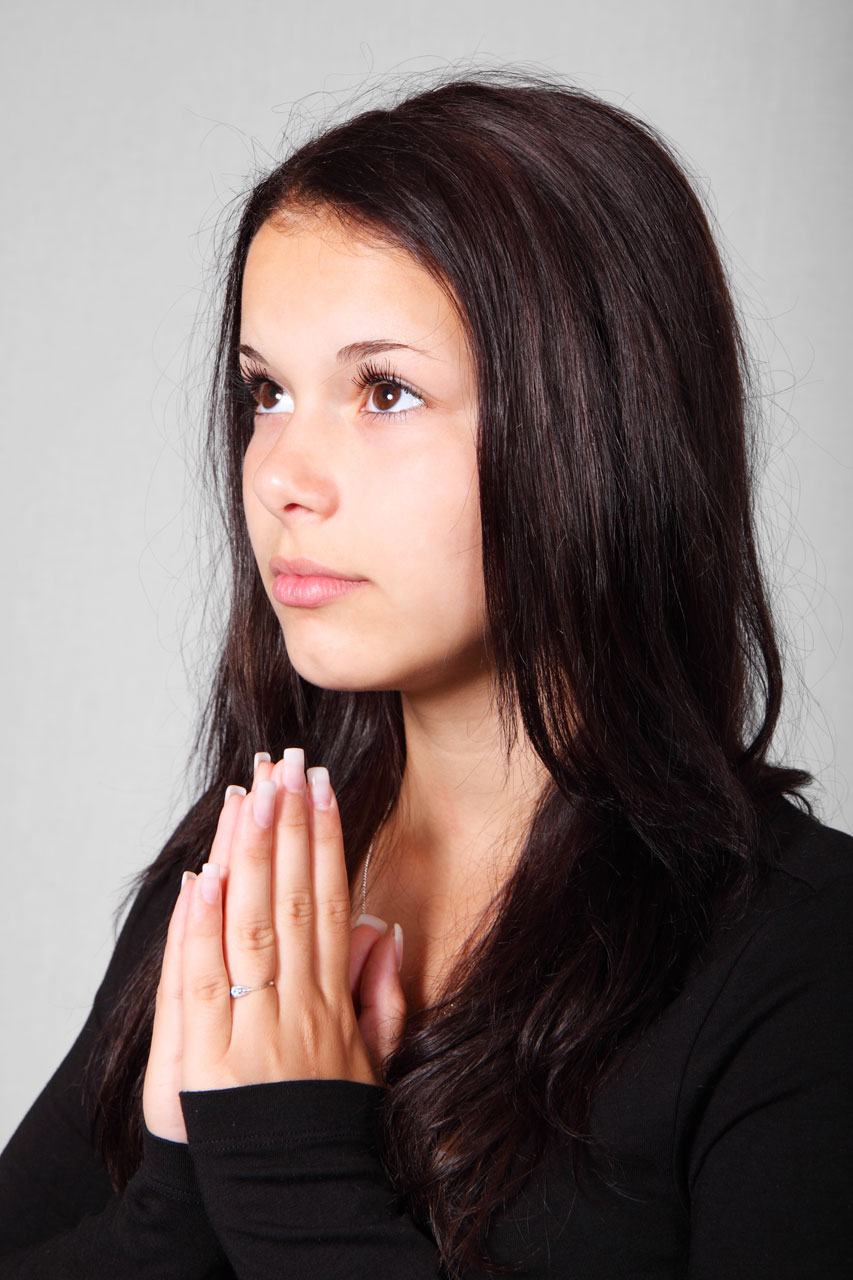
pixel 274 915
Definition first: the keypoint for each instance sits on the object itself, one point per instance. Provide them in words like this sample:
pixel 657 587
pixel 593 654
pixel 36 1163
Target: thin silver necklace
pixel 369 856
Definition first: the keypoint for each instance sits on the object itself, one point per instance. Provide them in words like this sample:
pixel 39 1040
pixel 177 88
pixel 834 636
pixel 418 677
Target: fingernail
pixel 293 768
pixel 263 802
pixel 188 875
pixel 375 923
pixel 234 791
pixel 210 882
pixel 398 945
pixel 259 757
pixel 321 790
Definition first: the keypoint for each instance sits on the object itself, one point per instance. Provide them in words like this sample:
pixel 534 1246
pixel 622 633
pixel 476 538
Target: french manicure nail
pixel 321 790
pixel 188 875
pixel 375 923
pixel 293 768
pixel 398 945
pixel 210 882
pixel 234 791
pixel 259 757
pixel 263 802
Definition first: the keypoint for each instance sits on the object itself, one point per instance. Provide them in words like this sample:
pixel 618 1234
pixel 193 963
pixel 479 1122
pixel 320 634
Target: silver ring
pixel 238 991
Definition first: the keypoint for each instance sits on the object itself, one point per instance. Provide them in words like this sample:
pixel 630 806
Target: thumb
pixel 383 1005
pixel 365 934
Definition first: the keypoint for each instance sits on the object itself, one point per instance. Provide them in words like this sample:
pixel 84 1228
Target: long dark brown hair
pixel 630 626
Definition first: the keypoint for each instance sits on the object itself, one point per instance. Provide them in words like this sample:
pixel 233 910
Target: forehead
pixel 311 274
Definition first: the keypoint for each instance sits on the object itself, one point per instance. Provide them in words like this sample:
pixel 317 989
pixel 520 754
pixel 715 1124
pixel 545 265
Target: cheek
pixel 253 509
pixel 436 538
pixel 251 459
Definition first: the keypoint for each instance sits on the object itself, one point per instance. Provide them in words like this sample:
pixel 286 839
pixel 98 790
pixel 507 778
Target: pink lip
pixel 307 583
pixel 304 567
pixel 311 589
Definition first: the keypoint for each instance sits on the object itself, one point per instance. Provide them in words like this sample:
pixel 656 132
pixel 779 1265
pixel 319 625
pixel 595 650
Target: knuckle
pixel 256 935
pixel 397 1007
pixel 256 851
pixel 208 988
pixel 297 908
pixel 294 812
pixel 336 910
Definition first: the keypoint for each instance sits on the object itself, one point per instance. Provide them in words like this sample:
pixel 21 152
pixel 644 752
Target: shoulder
pixel 748 1068
pixel 805 855
pixel 769 1002
pixel 796 929
pixel 768 994
pixel 767 1023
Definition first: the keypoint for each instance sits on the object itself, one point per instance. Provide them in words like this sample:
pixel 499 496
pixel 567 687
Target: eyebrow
pixel 355 350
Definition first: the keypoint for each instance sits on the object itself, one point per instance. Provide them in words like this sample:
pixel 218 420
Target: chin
pixel 345 675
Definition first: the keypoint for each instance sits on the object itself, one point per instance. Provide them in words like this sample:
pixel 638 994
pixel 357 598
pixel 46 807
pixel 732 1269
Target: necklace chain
pixel 369 856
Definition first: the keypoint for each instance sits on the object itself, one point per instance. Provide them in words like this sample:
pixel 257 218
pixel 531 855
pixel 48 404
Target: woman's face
pixel 363 459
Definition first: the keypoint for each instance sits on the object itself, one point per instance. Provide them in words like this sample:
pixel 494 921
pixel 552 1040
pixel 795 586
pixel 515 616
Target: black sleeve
pixel 771 1165
pixel 156 1229
pixel 293 1184
pixel 59 1215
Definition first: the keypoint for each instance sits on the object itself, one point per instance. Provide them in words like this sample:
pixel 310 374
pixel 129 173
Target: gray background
pixel 127 128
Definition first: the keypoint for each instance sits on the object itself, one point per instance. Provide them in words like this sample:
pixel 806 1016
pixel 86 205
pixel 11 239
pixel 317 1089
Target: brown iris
pixel 386 395
pixel 268 395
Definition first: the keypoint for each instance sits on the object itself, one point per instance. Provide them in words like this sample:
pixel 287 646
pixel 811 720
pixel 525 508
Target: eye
pixel 263 395
pixel 269 397
pixel 389 395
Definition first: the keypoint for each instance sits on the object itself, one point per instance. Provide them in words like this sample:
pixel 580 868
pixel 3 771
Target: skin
pixel 392 499
pixel 381 485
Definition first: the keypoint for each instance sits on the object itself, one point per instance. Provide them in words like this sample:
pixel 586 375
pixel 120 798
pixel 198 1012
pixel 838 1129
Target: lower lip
pixel 289 588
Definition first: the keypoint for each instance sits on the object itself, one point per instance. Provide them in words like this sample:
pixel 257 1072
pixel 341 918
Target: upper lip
pixel 302 566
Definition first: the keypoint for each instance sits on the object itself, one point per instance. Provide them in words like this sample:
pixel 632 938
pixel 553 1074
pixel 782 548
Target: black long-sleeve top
pixel 729 1126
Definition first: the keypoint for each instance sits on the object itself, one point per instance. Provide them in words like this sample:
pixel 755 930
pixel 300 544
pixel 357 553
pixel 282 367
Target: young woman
pixel 552 977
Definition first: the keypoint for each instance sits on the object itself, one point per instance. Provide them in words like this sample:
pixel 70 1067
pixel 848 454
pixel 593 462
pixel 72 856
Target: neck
pixel 453 838
pixel 461 798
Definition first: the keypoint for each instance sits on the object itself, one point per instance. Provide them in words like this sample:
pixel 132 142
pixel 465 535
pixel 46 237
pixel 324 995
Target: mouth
pixel 304 567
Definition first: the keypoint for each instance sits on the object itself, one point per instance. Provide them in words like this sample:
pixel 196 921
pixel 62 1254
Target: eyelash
pixel 371 375
pixel 248 382
pixel 252 377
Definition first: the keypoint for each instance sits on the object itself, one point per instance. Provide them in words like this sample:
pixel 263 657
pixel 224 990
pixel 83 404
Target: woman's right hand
pixel 161 1103
pixel 372 977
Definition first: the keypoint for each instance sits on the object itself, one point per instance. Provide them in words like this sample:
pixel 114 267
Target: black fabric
pixel 726 1137
pixel 59 1216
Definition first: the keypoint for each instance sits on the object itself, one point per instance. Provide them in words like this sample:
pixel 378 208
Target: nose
pixel 293 471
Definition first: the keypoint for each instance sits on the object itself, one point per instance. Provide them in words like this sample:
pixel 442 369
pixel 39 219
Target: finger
pixel 293 893
pixel 220 850
pixel 331 884
pixel 264 769
pixel 171 981
pixel 250 949
pixel 205 985
pixel 160 1101
pixel 366 933
pixel 221 847
pixel 382 1020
